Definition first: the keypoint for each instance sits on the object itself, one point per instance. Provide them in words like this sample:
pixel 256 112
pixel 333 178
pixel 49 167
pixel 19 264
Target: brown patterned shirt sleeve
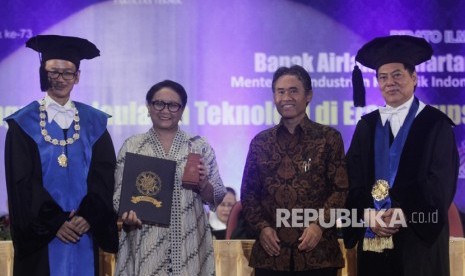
pixel 304 170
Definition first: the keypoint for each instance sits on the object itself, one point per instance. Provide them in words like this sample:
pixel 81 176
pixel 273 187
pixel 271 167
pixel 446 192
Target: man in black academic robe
pixel 59 166
pixel 424 179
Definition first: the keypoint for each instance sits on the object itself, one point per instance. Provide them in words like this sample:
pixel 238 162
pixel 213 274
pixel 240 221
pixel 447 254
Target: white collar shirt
pixel 396 115
pixel 63 115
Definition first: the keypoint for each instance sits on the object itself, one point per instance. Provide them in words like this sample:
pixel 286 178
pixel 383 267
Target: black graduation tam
pixel 396 48
pixel 388 49
pixel 69 48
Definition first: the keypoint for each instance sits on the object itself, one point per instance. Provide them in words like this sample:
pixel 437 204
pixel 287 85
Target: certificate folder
pixel 147 188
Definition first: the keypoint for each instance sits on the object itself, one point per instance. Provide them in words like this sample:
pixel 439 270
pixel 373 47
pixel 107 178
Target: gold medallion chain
pixel 62 159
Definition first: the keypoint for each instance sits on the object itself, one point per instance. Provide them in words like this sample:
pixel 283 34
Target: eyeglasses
pixel 65 75
pixel 160 105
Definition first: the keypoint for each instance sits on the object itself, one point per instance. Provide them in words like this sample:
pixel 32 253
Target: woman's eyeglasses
pixel 160 105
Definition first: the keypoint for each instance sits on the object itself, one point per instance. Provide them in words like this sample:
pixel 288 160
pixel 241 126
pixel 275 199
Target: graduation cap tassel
pixel 358 87
pixel 44 82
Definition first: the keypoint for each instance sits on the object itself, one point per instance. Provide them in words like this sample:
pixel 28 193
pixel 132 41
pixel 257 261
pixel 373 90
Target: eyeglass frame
pixel 178 106
pixel 62 74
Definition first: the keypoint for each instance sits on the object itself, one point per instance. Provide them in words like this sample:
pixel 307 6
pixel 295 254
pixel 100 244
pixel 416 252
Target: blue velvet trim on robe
pixel 67 186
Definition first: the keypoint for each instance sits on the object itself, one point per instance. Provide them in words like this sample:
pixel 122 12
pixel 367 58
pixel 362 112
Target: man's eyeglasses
pixel 160 105
pixel 65 75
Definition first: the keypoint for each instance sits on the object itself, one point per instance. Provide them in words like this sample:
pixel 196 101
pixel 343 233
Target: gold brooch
pixel 380 190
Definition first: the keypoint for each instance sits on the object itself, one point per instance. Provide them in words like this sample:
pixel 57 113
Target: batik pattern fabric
pixel 303 170
pixel 186 246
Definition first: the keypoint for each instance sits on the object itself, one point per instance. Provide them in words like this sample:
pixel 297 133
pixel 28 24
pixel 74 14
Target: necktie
pixel 391 135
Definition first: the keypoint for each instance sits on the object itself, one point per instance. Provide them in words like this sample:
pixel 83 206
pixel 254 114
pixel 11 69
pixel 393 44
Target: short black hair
pixel 294 70
pixel 230 190
pixel 179 89
pixel 407 66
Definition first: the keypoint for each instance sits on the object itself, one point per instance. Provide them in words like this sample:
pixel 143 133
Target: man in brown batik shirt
pixel 296 165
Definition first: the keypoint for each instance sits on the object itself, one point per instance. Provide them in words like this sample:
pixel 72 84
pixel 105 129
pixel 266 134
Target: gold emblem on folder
pixel 149 184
